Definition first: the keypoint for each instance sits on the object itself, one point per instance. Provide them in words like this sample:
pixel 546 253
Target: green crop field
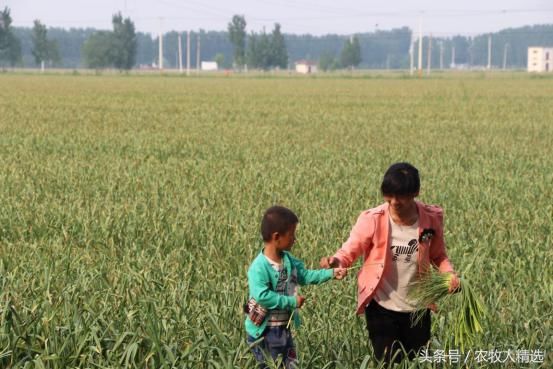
pixel 130 208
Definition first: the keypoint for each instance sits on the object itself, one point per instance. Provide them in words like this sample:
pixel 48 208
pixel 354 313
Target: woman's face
pixel 400 204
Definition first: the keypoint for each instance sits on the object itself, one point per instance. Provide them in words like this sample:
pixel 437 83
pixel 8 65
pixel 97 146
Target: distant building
pixel 540 59
pixel 306 67
pixel 209 65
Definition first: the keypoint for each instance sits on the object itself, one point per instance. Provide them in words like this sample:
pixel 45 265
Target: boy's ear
pixel 275 236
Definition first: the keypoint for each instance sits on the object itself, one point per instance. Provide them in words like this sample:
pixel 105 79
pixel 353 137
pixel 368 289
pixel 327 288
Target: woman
pixel 399 240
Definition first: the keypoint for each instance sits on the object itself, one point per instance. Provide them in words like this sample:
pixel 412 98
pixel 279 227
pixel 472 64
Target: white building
pixel 306 67
pixel 209 65
pixel 540 59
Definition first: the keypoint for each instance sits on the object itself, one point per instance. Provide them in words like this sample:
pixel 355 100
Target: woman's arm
pixel 359 241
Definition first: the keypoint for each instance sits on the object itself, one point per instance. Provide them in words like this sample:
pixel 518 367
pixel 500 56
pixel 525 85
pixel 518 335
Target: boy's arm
pixel 260 290
pixel 312 276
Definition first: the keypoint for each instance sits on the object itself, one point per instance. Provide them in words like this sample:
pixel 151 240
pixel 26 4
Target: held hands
pixel 328 262
pixel 340 273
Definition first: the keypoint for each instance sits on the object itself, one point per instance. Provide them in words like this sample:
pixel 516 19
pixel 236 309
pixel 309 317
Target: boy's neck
pixel 272 252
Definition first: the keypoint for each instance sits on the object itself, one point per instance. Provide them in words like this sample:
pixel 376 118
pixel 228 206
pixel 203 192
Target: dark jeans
pixel 277 342
pixel 390 333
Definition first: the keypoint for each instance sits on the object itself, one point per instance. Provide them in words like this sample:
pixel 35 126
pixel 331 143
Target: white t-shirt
pixel 401 270
pixel 281 317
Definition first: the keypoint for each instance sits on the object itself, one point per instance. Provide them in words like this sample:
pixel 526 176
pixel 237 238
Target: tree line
pixel 99 49
pixel 124 48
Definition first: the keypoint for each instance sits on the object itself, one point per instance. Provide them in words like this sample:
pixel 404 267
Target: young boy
pixel 272 280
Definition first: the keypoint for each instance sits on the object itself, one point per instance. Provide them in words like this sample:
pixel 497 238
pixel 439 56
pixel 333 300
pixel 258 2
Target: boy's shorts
pixel 277 341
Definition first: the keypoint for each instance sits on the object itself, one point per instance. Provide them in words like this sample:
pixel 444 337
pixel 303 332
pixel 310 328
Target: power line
pixel 224 13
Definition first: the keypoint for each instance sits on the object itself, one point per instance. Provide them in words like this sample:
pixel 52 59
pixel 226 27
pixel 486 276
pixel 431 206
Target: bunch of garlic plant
pixel 468 313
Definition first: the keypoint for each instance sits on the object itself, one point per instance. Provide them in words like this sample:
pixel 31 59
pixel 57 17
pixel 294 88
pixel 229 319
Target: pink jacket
pixel 370 236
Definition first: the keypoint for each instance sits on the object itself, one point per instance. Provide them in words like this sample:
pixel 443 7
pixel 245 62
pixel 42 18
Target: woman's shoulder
pixel 433 212
pixel 378 210
pixel 431 209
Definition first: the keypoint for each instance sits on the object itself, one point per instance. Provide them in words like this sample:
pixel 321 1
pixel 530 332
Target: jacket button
pixel 377 277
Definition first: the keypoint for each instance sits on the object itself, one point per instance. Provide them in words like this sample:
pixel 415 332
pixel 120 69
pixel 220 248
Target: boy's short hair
pixel 401 179
pixel 277 219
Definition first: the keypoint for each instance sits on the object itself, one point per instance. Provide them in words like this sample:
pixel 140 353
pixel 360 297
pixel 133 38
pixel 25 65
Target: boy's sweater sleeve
pixel 260 290
pixel 308 276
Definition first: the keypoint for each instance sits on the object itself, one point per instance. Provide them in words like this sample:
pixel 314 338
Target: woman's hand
pixel 329 262
pixel 454 284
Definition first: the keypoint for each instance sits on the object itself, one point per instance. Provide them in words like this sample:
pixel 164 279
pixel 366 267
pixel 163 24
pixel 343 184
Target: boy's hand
pixel 329 262
pixel 340 273
pixel 299 301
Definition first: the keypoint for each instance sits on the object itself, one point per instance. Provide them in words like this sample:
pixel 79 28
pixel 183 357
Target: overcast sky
pixel 441 18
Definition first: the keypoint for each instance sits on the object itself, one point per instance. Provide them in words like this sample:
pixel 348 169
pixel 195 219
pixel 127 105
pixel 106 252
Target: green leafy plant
pixel 469 311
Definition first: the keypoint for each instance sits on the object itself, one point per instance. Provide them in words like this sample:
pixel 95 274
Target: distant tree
pixel 351 53
pixel 220 60
pixel 267 51
pixel 278 48
pixel 123 43
pixel 44 50
pixel 237 36
pixel 462 49
pixel 327 61
pixel 10 47
pixel 112 49
pixel 252 56
pixel 97 50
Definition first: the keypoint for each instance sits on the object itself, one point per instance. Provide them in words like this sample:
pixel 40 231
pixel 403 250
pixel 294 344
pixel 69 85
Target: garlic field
pixel 130 210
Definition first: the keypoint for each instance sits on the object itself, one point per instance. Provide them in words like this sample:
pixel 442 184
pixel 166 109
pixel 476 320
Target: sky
pixel 317 17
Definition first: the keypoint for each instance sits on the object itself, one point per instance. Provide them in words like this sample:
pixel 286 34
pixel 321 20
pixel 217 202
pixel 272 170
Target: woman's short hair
pixel 401 179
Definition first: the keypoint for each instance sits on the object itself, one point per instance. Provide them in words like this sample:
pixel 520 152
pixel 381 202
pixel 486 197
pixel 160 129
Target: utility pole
pixel 505 48
pixel 429 61
pixel 441 55
pixel 198 55
pixel 160 56
pixel 490 51
pixel 411 52
pixel 420 47
pixel 188 53
pixel 452 57
pixel 180 54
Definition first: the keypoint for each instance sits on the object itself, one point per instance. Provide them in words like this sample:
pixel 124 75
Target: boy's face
pixel 285 241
